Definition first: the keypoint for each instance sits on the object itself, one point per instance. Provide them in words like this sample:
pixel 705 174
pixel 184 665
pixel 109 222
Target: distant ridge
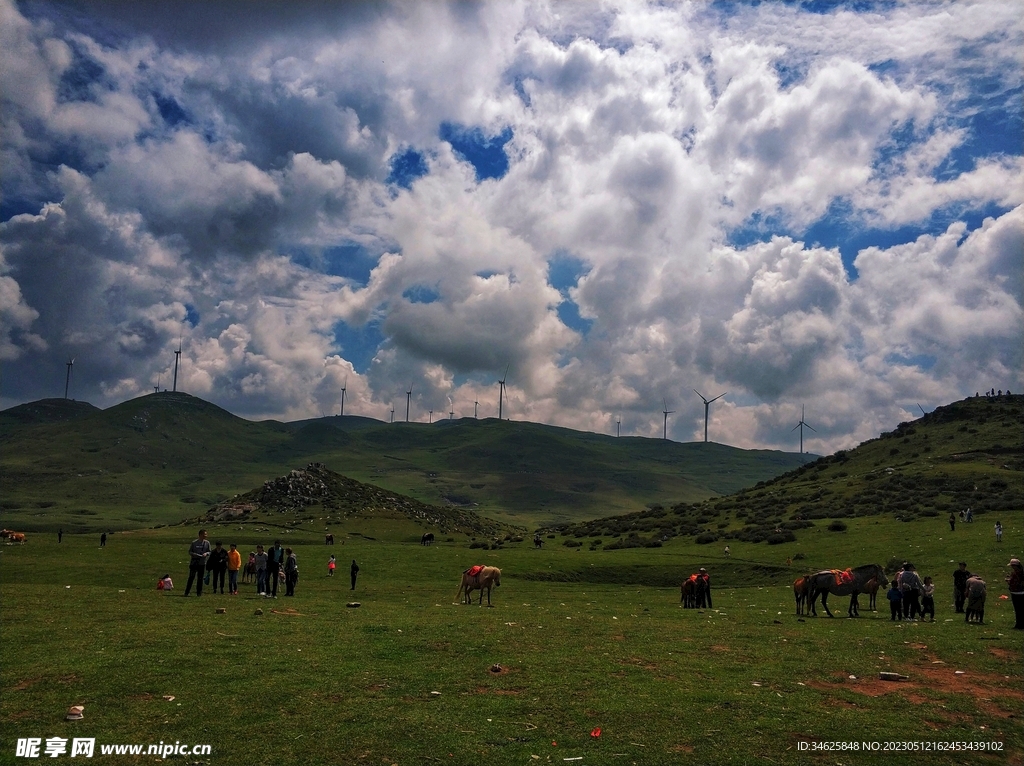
pixel 967 454
pixel 47 411
pixel 332 493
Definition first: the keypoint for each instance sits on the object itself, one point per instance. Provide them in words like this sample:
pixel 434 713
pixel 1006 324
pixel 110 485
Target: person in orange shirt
pixel 234 564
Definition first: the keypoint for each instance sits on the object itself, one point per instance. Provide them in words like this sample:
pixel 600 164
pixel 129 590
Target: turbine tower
pixel 156 388
pixel 67 380
pixel 475 405
pixel 430 416
pixel 408 401
pixel 501 390
pixel 617 421
pixel 343 385
pixel 707 404
pixel 177 356
pixel 666 412
pixel 392 413
pixel 801 425
pixel 451 409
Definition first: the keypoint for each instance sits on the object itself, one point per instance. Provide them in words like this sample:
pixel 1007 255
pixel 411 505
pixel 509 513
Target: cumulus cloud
pixel 170 177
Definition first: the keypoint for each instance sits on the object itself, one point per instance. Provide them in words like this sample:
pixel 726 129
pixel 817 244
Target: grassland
pixel 164 457
pixel 743 682
pixel 582 636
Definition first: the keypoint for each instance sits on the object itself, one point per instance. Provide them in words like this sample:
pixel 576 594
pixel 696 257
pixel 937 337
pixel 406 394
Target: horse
pixel 871 588
pixel 329 539
pixel 801 586
pixel 479 578
pixel 427 539
pixel 537 542
pixel 688 592
pixel 842 583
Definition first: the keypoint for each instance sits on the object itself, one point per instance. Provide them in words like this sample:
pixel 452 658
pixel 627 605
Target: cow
pixel 427 538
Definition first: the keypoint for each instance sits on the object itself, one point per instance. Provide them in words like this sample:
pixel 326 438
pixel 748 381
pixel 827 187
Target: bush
pixel 572 544
pixel 478 545
pixel 837 526
pixel 781 537
pixel 705 538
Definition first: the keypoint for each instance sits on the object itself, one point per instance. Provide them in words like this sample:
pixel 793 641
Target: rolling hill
pixel 968 454
pixel 163 457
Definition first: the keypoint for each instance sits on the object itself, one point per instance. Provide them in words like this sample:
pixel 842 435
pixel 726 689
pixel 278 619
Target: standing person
pixel 1015 584
pixel 60 534
pixel 895 597
pixel 234 564
pixel 952 522
pixel 275 560
pixel 218 566
pixel 999 531
pixel 704 594
pixel 250 568
pixel 198 552
pixel 331 564
pixel 960 577
pixel 103 540
pixel 910 584
pixel 976 592
pixel 928 599
pixel 354 571
pixel 261 571
pixel 291 572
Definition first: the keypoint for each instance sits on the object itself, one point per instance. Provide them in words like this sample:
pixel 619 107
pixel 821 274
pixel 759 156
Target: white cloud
pixel 184 179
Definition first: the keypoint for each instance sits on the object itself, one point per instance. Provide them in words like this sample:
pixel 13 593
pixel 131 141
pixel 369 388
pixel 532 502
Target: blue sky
pixel 805 204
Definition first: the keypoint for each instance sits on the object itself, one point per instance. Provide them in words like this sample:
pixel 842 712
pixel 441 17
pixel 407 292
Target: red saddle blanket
pixel 474 571
pixel 844 576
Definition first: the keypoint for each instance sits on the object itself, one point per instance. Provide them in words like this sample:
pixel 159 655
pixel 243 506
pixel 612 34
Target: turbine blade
pixel 813 429
pixel 717 397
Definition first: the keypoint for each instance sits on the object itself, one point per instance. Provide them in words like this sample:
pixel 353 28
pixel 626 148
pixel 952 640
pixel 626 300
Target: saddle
pixel 473 571
pixel 844 576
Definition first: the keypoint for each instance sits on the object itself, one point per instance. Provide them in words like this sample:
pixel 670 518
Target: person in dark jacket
pixel 354 571
pixel 960 577
pixel 198 552
pixel 217 566
pixel 275 560
pixel 1015 584
pixel 291 572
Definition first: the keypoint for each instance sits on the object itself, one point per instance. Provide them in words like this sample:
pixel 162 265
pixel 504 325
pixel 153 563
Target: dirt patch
pixel 25 684
pixel 681 749
pixel 718 648
pixel 982 687
pixel 1004 654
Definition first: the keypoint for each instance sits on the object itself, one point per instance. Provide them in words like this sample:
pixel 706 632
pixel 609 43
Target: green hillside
pixel 969 454
pixel 168 456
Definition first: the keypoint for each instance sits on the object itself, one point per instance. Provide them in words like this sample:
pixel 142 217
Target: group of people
pixel 969 593
pixel 910 598
pixel 269 568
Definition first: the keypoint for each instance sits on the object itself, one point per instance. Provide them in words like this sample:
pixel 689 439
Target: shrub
pixel 837 526
pixel 705 538
pixel 572 544
pixel 781 537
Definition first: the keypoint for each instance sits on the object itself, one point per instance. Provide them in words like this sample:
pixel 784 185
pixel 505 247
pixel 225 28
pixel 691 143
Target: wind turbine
pixel 67 380
pixel 430 416
pixel 408 401
pixel 343 385
pixel 617 421
pixel 392 413
pixel 177 356
pixel 475 405
pixel 666 412
pixel 451 409
pixel 156 388
pixel 707 404
pixel 501 390
pixel 801 425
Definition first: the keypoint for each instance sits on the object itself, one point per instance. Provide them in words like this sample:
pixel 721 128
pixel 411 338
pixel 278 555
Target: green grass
pixel 164 457
pixel 339 685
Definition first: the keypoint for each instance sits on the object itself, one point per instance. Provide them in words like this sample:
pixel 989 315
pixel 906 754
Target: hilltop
pixel 968 454
pixel 153 459
pixel 316 488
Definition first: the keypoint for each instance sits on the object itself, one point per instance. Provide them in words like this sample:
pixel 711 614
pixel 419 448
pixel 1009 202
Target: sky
pixel 806 207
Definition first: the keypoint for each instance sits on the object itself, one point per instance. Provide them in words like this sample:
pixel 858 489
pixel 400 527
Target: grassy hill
pixel 969 454
pixel 163 457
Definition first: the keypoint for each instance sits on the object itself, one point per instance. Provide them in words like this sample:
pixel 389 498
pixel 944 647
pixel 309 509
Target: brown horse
pixel 848 582
pixel 801 589
pixel 688 592
pixel 480 580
